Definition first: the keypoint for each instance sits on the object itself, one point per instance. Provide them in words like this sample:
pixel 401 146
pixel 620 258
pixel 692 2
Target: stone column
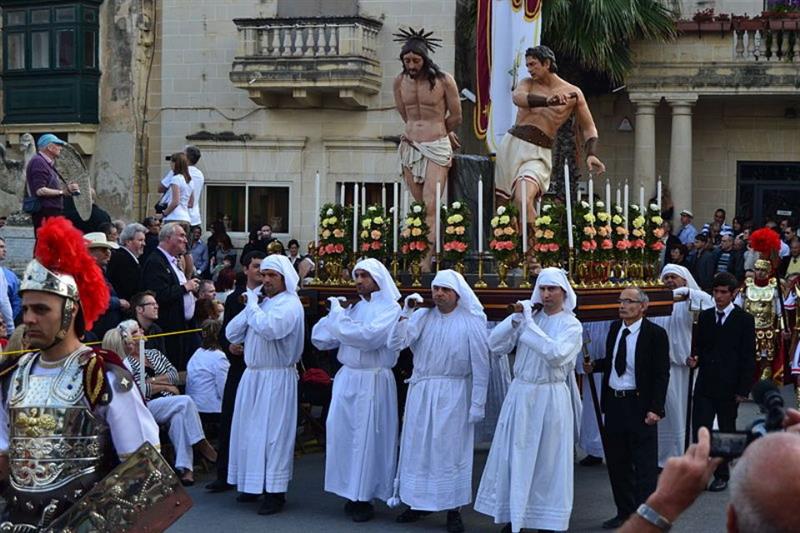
pixel 644 154
pixel 680 153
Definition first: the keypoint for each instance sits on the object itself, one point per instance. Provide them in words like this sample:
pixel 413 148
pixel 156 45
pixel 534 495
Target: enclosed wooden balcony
pixel 313 62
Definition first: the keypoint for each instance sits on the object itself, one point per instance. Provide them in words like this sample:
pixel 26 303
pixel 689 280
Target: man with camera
pixel 726 361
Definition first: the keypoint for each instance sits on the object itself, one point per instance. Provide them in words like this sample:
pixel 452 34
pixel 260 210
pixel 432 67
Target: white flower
pixel 546 208
pixel 417 209
pixel 456 205
pixel 584 204
pixel 501 210
pixel 391 209
pixel 653 207
pixel 618 209
pixel 329 212
pixel 600 204
pixel 634 207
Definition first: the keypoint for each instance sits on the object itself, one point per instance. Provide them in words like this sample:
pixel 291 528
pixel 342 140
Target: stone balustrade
pixel 780 44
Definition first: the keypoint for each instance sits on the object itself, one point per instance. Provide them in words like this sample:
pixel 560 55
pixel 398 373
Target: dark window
pixel 40 16
pixel 245 207
pixel 15 18
pixel 65 48
pixel 65 14
pixel 15 51
pixel 40 49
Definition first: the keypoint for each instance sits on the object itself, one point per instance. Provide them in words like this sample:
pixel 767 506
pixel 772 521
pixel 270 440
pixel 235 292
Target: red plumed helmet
pixel 63 266
pixel 766 242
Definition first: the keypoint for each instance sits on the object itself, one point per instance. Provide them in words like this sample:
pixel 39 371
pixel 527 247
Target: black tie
pixel 622 353
pixel 720 317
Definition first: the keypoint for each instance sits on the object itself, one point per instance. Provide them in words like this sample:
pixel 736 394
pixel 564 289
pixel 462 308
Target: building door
pixel 768 190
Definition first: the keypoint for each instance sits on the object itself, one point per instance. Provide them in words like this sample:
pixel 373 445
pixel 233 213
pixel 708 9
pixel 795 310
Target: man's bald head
pixel 764 486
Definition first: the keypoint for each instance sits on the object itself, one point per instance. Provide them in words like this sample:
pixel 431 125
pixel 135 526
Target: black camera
pixel 730 445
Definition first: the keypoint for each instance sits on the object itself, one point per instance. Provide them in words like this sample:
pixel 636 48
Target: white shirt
pixel 727 312
pixel 181 211
pixel 206 373
pixel 188 297
pixel 198 180
pixel 626 381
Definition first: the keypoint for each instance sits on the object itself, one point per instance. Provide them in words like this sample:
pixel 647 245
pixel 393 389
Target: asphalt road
pixel 310 509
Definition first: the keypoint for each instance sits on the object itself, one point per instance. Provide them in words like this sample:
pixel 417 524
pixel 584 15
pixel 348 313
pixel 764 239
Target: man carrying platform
pixel 68 411
pixel 545 102
pixel 427 99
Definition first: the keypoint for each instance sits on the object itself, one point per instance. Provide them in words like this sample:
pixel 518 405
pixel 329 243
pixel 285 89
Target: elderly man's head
pixel 172 238
pixel 764 486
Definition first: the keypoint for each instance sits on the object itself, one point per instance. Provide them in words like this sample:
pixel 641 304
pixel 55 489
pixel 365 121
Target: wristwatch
pixel 651 515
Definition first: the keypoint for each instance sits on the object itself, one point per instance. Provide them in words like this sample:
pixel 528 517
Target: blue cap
pixel 48 138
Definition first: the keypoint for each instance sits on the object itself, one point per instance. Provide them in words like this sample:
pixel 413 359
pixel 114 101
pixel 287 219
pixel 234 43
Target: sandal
pixel 187 478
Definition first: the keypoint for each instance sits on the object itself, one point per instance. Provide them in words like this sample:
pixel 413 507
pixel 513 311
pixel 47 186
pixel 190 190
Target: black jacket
pixel 232 308
pixel 652 366
pixel 158 276
pixel 124 273
pixel 726 356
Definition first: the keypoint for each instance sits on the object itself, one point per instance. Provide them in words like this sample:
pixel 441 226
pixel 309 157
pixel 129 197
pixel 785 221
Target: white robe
pixel 499 381
pixel 361 429
pixel 672 428
pixel 265 413
pixel 590 441
pixel 528 479
pixel 451 373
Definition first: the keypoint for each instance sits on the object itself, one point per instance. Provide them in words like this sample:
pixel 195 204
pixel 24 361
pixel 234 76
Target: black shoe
pixel 349 507
pixel 614 523
pixel 718 485
pixel 591 460
pixel 454 523
pixel 246 497
pixel 218 486
pixel 273 503
pixel 410 515
pixel 363 512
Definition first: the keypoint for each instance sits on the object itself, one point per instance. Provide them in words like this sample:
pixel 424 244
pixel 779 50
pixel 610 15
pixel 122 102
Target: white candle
pixel 524 217
pixel 316 210
pixel 355 220
pixel 570 244
pixel 619 197
pixel 438 212
pixel 342 188
pixel 363 199
pixel 580 193
pixel 480 214
pixel 641 198
pixel 406 205
pixel 591 195
pixel 625 205
pixel 383 197
pixel 658 194
pixel 396 202
pixel 608 195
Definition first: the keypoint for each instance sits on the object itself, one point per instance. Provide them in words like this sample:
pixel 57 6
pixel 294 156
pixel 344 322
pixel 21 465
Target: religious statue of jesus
pixel 427 99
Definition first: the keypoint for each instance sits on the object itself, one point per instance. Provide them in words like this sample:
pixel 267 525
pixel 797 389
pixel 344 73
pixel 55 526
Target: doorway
pixel 768 190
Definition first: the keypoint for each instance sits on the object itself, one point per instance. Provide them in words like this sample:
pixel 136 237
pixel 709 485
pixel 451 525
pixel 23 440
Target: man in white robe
pixel 590 440
pixel 528 479
pixel 361 429
pixel 672 428
pixel 446 397
pixel 265 413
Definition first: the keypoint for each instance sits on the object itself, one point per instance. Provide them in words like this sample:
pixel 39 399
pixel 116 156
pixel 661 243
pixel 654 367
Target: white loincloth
pixel 516 160
pixel 415 156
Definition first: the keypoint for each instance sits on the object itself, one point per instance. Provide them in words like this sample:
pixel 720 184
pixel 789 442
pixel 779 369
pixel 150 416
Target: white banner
pixel 512 34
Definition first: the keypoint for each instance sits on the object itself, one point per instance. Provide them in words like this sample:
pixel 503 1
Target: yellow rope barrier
pixel 94 343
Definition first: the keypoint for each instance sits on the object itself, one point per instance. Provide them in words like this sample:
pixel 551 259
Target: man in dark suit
pixel 235 352
pixel 726 259
pixel 162 274
pixel 727 363
pixel 124 270
pixel 635 377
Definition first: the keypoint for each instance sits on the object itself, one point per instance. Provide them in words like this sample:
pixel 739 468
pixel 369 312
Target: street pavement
pixel 310 509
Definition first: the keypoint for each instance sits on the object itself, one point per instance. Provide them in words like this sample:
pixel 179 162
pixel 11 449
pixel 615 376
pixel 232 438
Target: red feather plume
pixel 766 242
pixel 61 248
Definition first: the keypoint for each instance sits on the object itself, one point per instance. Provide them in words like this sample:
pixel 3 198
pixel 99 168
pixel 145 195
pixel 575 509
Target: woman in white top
pixel 181 194
pixel 207 370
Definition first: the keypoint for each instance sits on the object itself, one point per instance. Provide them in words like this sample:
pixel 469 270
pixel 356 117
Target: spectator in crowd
pixel 790 264
pixel 12 288
pixel 206 309
pixel 174 292
pixel 225 275
pixel 192 154
pixel 669 240
pixel 205 290
pixel 719 216
pixel 677 255
pixel 253 243
pixel 124 269
pixel 145 310
pixel 702 262
pixel 207 371
pixel 736 225
pixel 771 224
pixel 219 244
pixel 265 237
pixel 726 259
pixel 4 335
pixel 180 195
pixel 43 181
pixel 153 225
pixel 164 401
pixel 687 232
pixel 100 250
pixel 110 230
pixel 303 264
pixel 788 233
pixel 119 225
pixel 199 251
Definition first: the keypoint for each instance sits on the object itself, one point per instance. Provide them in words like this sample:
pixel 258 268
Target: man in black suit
pixel 727 363
pixel 162 274
pixel 124 270
pixel 635 377
pixel 235 352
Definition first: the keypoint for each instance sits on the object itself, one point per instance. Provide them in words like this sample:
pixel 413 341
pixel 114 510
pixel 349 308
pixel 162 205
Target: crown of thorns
pixel 406 35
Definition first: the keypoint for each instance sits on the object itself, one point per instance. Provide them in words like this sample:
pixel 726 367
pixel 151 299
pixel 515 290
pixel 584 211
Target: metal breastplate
pixel 58 449
pixel 758 301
